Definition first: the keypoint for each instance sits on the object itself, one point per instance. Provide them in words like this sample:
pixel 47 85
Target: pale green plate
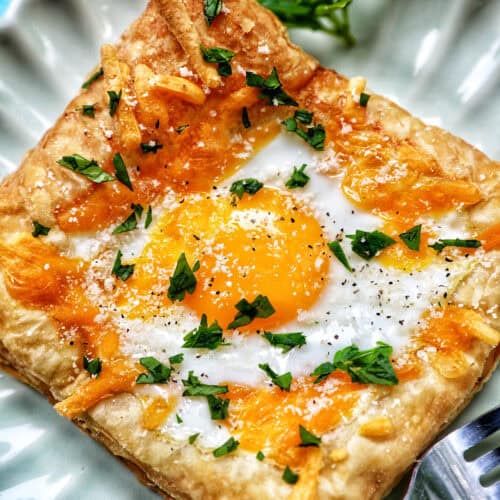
pixel 438 58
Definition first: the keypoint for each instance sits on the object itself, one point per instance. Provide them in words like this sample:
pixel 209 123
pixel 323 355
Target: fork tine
pixel 488 461
pixel 479 429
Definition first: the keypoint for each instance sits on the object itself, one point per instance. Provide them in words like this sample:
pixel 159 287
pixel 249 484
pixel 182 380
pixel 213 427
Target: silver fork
pixel 444 474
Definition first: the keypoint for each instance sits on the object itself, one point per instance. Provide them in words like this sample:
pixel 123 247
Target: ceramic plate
pixel 438 58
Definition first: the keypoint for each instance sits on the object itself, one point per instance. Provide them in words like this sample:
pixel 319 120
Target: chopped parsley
pixel 151 147
pixel 218 407
pixel 130 222
pixel 286 341
pixel 289 476
pixel 193 438
pixel 303 116
pixel 177 359
pixel 368 245
pixel 250 186
pixel 338 251
pixel 93 366
pixel 178 418
pixel 183 280
pixel 88 110
pixel 308 438
pixel 411 238
pixel 181 128
pixel 87 168
pixel 220 56
pixel 114 100
pixel 440 244
pixel 247 312
pixel 372 366
pixel 193 387
pixel 158 373
pixel 363 99
pixel 260 456
pixel 271 88
pixel 314 135
pixel 230 445
pixel 211 9
pixel 93 78
pixel 244 118
pixel 121 171
pixel 39 229
pixel 149 217
pixel 206 336
pixel 282 381
pixel 120 270
pixel 298 178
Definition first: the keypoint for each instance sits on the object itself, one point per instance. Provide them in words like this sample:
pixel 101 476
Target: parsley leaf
pixel 367 245
pixel 218 407
pixel 195 388
pixel 298 178
pixel 88 110
pixel 411 238
pixel 121 171
pixel 129 224
pixel 149 217
pixel 303 116
pixel 211 9
pixel 87 168
pixel 250 186
pixel 193 438
pixel 440 244
pixel 220 56
pixel 183 280
pixel 181 128
pixel 114 100
pixel 39 229
pixel 289 476
pixel 322 371
pixel 93 78
pixel 282 381
pixel 307 438
pixel 259 308
pixel 158 373
pixel 230 445
pixel 244 118
pixel 178 418
pixel 338 251
pixel 271 88
pixel 93 366
pixel 151 147
pixel 286 341
pixel 121 271
pixel 177 359
pixel 205 336
pixel 313 135
pixel 363 99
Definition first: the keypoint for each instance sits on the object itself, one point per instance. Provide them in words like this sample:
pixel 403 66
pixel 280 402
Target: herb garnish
pixel 286 341
pixel 230 445
pixel 193 438
pixel 313 135
pixel 178 418
pixel 271 88
pixel 195 388
pixel 289 476
pixel 93 366
pixel 303 116
pixel 181 128
pixel 298 178
pixel 149 217
pixel 177 359
pixel 206 336
pixel 308 438
pixel 114 100
pixel 411 238
pixel 88 110
pixel 39 229
pixel 259 308
pixel 244 118
pixel 363 99
pixel 158 373
pixel 129 224
pixel 183 280
pixel 87 168
pixel 367 245
pixel 120 270
pixel 338 251
pixel 282 381
pixel 151 147
pixel 121 171
pixel 372 366
pixel 211 9
pixel 250 186
pixel 93 78
pixel 218 407
pixel 260 456
pixel 220 56
pixel 440 244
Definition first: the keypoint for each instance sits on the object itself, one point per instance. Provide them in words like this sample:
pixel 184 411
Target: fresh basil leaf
pixel 219 408
pixel 87 168
pixel 183 280
pixel 220 56
pixel 93 366
pixel 229 446
pixel 114 100
pixel 177 359
pixel 308 438
pixel 289 476
pixel 129 224
pixel 303 116
pixel 259 308
pixel 282 381
pixel 193 438
pixel 138 209
pixel 260 456
pixel 286 341
pixel 195 388
pixel 368 245
pixel 271 89
pixel 149 217
pixel 158 373
pixel 298 178
pixel 244 118
pixel 120 270
pixel 151 147
pixel 39 229
pixel 442 243
pixel 250 186
pixel 211 9
pixel 363 99
pixel 411 238
pixel 322 371
pixel 93 78
pixel 338 251
pixel 209 337
pixel 121 171
pixel 88 110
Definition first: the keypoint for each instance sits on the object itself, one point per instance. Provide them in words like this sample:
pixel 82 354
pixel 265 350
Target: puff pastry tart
pixel 243 273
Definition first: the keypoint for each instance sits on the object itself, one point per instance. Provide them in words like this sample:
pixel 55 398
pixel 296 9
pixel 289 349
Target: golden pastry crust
pixel 167 37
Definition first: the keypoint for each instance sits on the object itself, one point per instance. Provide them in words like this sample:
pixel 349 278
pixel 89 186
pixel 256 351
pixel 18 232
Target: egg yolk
pixel 263 244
